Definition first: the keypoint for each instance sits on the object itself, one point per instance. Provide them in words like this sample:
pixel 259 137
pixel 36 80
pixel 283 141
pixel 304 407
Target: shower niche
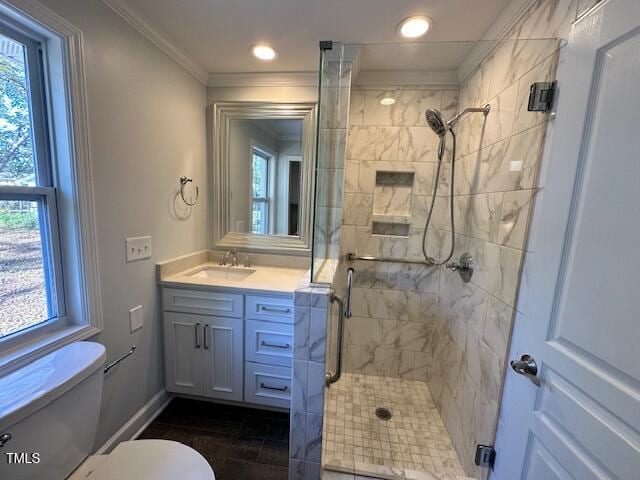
pixel 392 200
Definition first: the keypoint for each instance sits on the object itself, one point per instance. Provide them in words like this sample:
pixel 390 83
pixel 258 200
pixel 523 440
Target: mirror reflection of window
pixel 260 193
pixel 266 174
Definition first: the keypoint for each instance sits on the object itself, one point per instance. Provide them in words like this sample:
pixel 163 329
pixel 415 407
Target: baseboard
pixel 136 424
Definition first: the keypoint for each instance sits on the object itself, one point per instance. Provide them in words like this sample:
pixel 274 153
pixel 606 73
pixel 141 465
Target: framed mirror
pixel 262 182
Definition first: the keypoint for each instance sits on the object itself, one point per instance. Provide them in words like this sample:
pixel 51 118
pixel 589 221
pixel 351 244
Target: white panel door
pixel 223 358
pixel 183 362
pixel 580 320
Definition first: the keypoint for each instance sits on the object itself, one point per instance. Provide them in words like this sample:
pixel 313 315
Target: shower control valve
pixel 464 266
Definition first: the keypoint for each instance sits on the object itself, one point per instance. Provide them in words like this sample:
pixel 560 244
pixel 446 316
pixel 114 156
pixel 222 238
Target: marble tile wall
pixel 311 310
pixel 392 304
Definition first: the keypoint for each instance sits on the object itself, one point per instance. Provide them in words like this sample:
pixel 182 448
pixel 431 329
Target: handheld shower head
pixel 436 121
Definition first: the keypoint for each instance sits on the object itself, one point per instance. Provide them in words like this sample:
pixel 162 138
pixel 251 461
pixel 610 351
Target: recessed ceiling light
pixel 414 27
pixel 387 101
pixel 264 52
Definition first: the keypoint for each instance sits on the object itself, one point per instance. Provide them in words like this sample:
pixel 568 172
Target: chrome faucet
pixel 234 257
pixel 233 253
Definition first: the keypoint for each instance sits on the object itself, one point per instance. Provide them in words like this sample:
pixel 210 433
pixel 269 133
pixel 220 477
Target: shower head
pixel 436 121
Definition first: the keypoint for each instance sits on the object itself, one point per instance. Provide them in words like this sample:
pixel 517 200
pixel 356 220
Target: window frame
pixel 44 192
pixel 66 118
pixel 269 158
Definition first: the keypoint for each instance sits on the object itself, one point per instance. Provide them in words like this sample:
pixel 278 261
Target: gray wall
pixel 147 127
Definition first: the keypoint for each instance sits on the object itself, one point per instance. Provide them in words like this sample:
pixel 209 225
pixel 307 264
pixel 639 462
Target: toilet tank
pixel 50 408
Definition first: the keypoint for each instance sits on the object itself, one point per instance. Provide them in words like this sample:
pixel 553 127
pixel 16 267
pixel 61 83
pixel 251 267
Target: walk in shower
pixel 425 345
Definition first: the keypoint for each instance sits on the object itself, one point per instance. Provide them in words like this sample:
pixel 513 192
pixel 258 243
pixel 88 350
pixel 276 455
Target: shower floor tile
pixel 413 444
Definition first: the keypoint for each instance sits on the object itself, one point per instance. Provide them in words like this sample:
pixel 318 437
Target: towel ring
pixel 183 181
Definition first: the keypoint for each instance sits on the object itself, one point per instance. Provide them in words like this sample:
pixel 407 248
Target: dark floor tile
pixel 245 448
pixel 217 446
pixel 154 430
pixel 235 470
pixel 281 417
pixel 266 428
pixel 208 409
pixel 238 442
pixel 203 416
pixel 274 452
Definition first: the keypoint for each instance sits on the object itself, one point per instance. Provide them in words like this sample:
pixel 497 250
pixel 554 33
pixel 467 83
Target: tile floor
pixel 239 443
pixel 413 444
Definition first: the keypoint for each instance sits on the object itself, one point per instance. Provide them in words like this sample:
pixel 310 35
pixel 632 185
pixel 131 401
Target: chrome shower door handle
pixel 527 367
pixel 350 272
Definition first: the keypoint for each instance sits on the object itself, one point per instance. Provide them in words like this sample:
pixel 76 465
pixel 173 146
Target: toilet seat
pixel 146 460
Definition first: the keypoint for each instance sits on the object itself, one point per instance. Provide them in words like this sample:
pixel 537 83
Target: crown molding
pixel 264 79
pixel 159 40
pixel 499 29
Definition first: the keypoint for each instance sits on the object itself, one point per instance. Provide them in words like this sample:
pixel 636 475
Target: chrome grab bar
pixel 335 376
pixel 344 313
pixel 115 362
pixel 352 257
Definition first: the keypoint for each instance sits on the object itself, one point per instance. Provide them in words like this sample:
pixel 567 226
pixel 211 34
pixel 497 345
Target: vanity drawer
pixel 267 385
pixel 203 302
pixel 269 342
pixel 271 309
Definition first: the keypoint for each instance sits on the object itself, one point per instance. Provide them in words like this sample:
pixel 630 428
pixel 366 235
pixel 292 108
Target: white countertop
pixel 264 279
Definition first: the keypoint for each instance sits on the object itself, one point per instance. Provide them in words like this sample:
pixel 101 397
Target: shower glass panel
pixel 424 352
pixel 334 89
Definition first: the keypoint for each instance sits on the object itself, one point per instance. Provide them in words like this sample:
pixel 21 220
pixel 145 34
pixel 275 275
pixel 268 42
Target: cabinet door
pixel 183 342
pixel 223 358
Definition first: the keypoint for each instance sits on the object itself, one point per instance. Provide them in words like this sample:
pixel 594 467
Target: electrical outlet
pixel 136 318
pixel 138 248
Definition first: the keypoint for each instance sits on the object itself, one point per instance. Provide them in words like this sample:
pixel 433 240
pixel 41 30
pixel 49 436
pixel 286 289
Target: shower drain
pixel 383 413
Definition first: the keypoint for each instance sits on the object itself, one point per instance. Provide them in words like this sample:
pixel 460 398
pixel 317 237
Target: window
pixel 46 203
pixel 30 272
pixel 260 192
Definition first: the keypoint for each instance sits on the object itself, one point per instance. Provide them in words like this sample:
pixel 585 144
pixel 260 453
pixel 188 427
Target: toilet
pixel 50 410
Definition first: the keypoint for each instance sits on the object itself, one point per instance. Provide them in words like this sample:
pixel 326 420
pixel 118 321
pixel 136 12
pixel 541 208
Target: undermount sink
pixel 223 273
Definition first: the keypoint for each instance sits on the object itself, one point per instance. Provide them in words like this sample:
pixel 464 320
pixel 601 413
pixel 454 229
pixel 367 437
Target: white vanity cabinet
pixel 228 346
pixel 203 355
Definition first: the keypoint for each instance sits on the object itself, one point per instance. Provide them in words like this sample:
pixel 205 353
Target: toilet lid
pixel 153 460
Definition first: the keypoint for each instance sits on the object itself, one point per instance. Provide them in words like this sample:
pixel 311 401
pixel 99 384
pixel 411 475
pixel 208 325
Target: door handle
pixel 526 367
pixel 197 325
pixel 205 333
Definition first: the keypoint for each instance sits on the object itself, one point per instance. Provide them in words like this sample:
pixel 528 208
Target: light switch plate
pixel 136 318
pixel 138 248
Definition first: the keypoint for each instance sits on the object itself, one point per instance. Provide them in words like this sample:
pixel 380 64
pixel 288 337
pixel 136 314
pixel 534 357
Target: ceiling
pixel 281 129
pixel 216 34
